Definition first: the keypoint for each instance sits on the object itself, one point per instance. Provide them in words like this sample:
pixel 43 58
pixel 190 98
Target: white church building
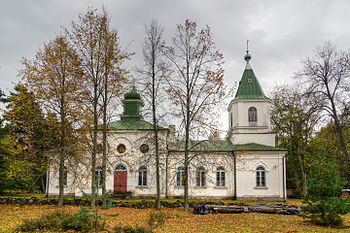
pixel 245 165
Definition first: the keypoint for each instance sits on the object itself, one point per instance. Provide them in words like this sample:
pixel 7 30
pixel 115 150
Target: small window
pixel 65 177
pixel 142 181
pixel 99 176
pixel 252 116
pixel 260 177
pixel 200 177
pixel 120 167
pixel 121 148
pixel 180 174
pixel 144 148
pixel 250 80
pixel 220 177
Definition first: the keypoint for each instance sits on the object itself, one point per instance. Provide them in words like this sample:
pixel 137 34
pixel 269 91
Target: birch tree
pixel 196 86
pixel 98 48
pixel 153 72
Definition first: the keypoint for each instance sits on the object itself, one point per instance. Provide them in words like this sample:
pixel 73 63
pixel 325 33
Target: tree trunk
pixel 94 145
pixel 104 142
pixel 166 175
pixel 303 174
pixel 155 126
pixel 186 188
pixel 338 129
pixel 62 150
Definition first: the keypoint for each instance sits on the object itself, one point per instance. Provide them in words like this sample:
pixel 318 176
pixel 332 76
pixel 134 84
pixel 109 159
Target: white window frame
pixel 180 174
pixel 253 116
pixel 220 177
pixel 201 177
pixel 142 176
pixel 260 177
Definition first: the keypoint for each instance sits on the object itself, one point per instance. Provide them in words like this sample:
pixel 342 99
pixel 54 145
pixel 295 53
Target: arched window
pixel 99 176
pixel 260 176
pixel 252 116
pixel 231 120
pixel 200 177
pixel 65 176
pixel 180 175
pixel 142 176
pixel 120 167
pixel 220 177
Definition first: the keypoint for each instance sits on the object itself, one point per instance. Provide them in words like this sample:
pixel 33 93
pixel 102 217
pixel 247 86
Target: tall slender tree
pixel 294 119
pixel 196 85
pixel 54 76
pixel 153 71
pixel 98 48
pixel 114 77
pixel 326 74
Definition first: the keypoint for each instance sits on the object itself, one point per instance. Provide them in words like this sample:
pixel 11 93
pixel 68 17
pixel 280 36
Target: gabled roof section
pixel 249 86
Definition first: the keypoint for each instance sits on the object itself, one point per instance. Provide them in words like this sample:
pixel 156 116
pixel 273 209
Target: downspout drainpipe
pixel 234 176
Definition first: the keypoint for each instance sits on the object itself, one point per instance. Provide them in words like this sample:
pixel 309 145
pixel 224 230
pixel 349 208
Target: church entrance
pixel 120 179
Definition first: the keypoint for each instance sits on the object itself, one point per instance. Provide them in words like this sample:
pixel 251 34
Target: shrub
pixel 60 220
pixel 129 229
pixel 56 220
pixel 324 187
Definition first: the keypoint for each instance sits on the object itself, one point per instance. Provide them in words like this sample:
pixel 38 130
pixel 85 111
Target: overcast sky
pixel 281 32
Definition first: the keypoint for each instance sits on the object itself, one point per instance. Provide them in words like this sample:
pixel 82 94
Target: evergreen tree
pixel 324 187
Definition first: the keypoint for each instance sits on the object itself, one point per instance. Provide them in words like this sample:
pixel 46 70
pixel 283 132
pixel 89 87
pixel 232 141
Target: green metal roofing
pixel 249 86
pixel 222 146
pixel 132 95
pixel 256 147
pixel 132 124
pixel 205 145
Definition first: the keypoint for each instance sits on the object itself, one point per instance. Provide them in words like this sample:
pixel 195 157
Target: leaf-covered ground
pixel 176 220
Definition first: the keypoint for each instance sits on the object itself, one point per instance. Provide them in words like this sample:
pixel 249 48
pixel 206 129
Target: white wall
pixel 246 175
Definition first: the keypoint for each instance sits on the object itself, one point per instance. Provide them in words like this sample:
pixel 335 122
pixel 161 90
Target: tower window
pixel 252 116
pixel 250 80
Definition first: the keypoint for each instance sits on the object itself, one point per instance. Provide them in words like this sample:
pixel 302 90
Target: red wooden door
pixel 120 181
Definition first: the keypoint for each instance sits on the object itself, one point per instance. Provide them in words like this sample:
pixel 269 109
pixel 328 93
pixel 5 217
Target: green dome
pixel 132 95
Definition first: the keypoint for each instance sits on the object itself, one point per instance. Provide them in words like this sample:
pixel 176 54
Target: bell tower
pixel 249 111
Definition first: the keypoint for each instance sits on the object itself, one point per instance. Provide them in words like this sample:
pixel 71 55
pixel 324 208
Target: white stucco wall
pixel 263 138
pixel 246 175
pixel 239 111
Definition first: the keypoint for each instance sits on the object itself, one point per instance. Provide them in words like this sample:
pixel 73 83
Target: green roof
pixel 205 145
pixel 222 146
pixel 256 147
pixel 249 86
pixel 131 123
pixel 132 95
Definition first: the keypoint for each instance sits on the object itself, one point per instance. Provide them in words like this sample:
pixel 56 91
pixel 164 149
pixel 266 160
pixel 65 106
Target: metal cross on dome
pixel 247 46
